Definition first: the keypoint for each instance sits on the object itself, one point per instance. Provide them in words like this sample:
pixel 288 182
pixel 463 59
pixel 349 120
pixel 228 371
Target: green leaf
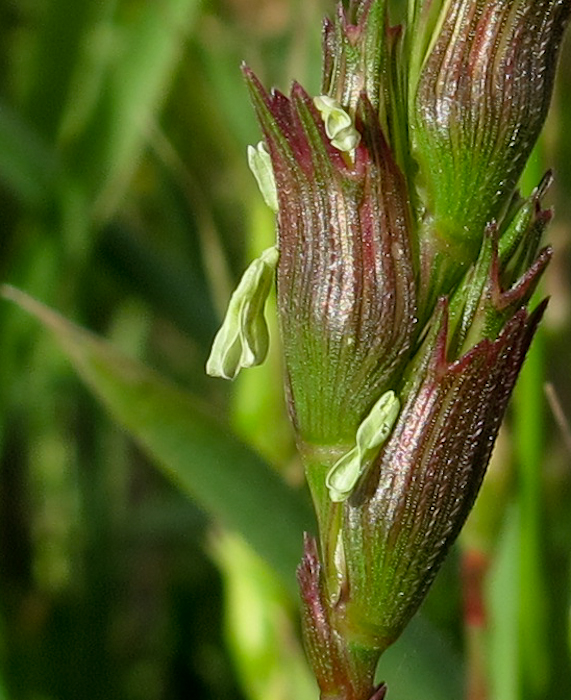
pixel 28 167
pixel 153 36
pixel 260 628
pixel 65 32
pixel 190 445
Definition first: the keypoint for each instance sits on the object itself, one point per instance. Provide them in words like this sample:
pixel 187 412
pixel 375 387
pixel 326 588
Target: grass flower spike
pixel 407 262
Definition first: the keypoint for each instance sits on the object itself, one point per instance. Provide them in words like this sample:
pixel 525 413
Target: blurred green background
pixel 126 203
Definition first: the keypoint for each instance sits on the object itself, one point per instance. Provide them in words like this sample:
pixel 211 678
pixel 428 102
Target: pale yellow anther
pixel 371 435
pixel 243 338
pixel 261 166
pixel 339 126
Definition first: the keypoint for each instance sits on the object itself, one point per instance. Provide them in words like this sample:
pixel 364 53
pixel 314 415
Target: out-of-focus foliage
pixel 127 205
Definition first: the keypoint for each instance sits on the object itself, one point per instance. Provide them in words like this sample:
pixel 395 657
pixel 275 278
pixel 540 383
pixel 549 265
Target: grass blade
pixel 193 449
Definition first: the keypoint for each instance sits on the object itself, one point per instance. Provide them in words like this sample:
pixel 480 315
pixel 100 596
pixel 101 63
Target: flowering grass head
pixel 407 260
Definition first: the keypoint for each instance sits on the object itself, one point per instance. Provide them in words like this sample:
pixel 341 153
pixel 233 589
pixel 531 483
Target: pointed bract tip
pixel 380 692
pixel 544 185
